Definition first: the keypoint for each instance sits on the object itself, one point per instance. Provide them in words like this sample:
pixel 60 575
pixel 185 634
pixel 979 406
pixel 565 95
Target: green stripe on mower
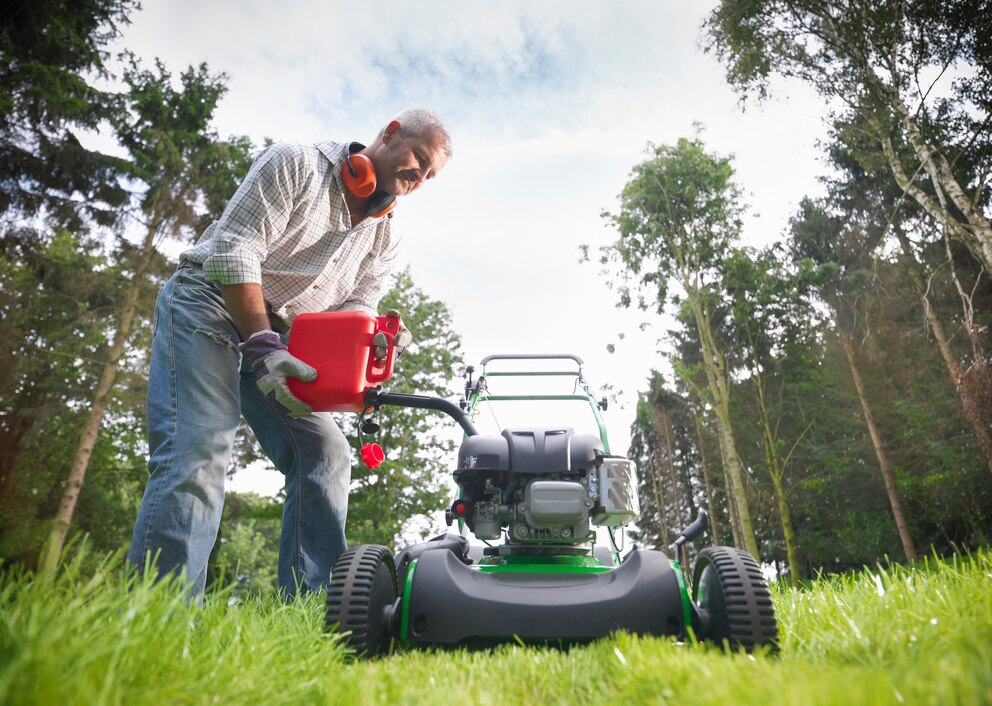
pixel 405 605
pixel 684 594
pixel 542 565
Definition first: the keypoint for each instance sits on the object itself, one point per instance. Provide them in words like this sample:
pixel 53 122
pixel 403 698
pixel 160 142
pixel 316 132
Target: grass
pixel 893 636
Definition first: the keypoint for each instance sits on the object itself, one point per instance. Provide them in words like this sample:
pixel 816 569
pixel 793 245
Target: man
pixel 308 230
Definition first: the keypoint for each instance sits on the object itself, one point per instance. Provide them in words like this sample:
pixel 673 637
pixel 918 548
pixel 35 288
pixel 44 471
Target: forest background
pixel 825 397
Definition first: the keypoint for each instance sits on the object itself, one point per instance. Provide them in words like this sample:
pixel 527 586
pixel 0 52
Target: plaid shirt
pixel 288 228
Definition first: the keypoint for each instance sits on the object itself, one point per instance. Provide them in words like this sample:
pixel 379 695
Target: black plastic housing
pixel 451 603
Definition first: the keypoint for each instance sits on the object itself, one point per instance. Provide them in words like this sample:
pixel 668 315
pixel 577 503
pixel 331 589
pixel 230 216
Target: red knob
pixel 372 455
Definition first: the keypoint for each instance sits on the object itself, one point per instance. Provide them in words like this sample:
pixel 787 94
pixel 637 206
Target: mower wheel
pixel 361 597
pixel 733 599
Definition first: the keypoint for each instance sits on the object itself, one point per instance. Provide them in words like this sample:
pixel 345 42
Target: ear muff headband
pixel 381 203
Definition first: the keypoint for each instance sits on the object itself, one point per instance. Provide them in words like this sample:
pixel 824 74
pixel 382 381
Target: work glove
pixel 402 339
pixel 272 364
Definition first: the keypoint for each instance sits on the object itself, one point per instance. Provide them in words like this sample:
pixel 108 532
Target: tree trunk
pixel 659 501
pixel 777 472
pixel 714 526
pixel 788 533
pixel 735 525
pixel 972 408
pixel 883 461
pixel 719 385
pixel 662 425
pixel 936 210
pixel 977 230
pixel 91 429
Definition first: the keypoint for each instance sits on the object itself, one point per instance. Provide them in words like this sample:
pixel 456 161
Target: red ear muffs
pixel 358 174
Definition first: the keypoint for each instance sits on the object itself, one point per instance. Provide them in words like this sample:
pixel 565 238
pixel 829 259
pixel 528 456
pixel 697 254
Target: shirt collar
pixel 334 151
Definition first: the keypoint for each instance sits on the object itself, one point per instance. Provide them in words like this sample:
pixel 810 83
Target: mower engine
pixel 546 486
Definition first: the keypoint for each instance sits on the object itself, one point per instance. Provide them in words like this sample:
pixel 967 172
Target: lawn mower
pixel 533 497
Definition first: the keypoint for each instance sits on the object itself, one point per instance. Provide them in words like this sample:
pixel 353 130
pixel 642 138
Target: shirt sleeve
pixel 375 276
pixel 257 214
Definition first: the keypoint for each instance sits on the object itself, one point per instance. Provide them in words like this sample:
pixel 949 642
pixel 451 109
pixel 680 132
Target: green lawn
pixel 920 636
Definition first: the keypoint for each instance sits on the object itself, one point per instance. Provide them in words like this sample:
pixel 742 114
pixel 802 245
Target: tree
pixel 177 164
pixel 56 196
pixel 821 239
pixel 679 215
pixel 666 457
pixel 772 326
pixel 49 49
pixel 928 258
pixel 55 295
pixel 413 482
pixel 884 61
pixel 653 522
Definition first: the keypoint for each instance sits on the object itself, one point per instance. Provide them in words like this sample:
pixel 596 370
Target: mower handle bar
pixel 532 356
pixel 375 398
pixel 693 530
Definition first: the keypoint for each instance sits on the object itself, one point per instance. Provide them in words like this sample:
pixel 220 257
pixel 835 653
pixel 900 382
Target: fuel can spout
pixel 376 398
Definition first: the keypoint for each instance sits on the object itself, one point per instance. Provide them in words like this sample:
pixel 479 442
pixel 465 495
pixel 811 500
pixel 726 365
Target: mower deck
pixel 447 602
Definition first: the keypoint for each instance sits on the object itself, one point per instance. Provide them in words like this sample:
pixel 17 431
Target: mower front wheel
pixel 361 598
pixel 733 599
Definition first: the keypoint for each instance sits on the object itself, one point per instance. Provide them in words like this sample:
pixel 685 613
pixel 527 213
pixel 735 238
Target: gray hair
pixel 419 121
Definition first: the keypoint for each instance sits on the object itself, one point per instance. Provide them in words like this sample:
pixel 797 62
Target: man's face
pixel 404 163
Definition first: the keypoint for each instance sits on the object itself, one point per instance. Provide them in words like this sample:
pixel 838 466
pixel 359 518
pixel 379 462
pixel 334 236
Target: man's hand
pixel 402 339
pixel 272 364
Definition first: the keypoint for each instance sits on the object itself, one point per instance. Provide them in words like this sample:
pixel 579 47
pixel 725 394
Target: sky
pixel 549 105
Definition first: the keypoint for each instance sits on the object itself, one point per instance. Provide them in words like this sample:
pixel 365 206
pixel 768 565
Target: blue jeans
pixel 198 390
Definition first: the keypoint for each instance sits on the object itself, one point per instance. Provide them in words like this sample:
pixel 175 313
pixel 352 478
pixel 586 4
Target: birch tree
pixel 680 212
pixel 916 72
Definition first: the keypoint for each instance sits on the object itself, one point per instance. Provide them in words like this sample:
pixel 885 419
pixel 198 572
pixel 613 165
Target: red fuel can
pixel 339 345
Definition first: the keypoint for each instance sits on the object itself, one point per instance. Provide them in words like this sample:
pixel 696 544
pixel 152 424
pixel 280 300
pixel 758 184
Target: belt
pixel 277 323
pixel 189 265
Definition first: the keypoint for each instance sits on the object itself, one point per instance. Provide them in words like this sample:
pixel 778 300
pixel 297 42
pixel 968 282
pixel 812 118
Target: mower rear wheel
pixel 361 597
pixel 733 599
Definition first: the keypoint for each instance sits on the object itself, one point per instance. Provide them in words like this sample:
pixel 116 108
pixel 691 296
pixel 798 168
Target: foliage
pixel 914 76
pixel 246 553
pixel 77 287
pixel 55 294
pixel 879 636
pixel 391 504
pixel 50 50
pixel 669 474
pixel 56 287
